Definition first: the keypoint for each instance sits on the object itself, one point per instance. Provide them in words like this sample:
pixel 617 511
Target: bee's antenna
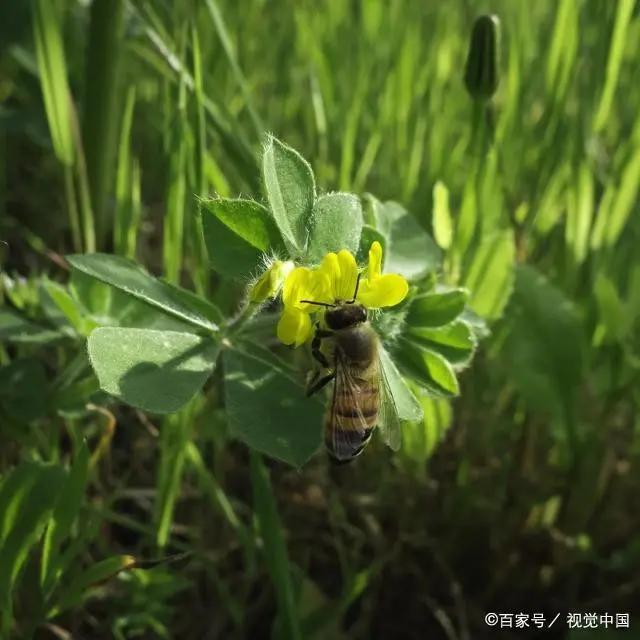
pixel 320 304
pixel 355 295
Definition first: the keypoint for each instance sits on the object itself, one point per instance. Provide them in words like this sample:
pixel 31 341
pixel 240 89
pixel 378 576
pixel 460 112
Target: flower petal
pixel 305 284
pixel 318 289
pixel 330 268
pixel 342 273
pixel 375 261
pixel 386 291
pixel 348 276
pixel 292 285
pixel 294 327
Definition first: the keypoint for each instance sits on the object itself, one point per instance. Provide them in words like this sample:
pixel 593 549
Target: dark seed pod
pixel 482 69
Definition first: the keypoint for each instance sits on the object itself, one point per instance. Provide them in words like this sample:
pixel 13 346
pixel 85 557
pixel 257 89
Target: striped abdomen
pixel 352 415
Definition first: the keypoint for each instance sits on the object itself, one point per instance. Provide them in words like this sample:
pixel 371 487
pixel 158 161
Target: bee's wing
pixel 389 420
pixel 345 384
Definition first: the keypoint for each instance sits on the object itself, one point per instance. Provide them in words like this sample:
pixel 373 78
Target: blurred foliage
pixel 117 117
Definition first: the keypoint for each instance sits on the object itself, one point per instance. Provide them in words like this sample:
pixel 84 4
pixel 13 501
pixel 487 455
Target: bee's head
pixel 344 316
pixel 344 313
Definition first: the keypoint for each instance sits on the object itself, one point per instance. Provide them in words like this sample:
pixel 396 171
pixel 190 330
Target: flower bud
pixel 270 282
pixel 482 69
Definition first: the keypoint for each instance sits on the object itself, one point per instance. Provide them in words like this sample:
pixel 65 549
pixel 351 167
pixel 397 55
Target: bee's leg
pixel 315 385
pixel 315 382
pixel 315 347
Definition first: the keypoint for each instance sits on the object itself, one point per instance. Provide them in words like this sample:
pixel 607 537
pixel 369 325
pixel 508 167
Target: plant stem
pixel 237 324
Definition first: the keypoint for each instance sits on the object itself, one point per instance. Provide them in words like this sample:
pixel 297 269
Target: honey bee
pixel 349 348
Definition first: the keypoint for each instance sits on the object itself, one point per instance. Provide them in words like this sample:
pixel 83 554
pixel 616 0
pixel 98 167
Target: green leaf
pixel 156 371
pixel 544 343
pixel 275 550
pixel 373 212
pixel 22 293
pixel 427 368
pixel 23 389
pixel 14 329
pixel 371 208
pixel 291 190
pixel 247 219
pixel 367 238
pixel 136 281
pixel 104 305
pixel 407 404
pixel 442 224
pixel 53 312
pixel 78 590
pixel 72 401
pixel 411 251
pixel 194 301
pixel 455 342
pixel 437 309
pixel 490 276
pixel 336 223
pixel 420 439
pixel 476 323
pixel 64 514
pixel 98 298
pixel 268 411
pixel 438 417
pixel 65 303
pixel 237 234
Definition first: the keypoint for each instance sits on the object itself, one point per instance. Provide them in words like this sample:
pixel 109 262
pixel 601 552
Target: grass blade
pixel 223 34
pixel 78 590
pixel 29 520
pixel 624 14
pixel 63 516
pixel 275 552
pixel 53 77
pixel 580 214
pixel 100 122
pixel 126 223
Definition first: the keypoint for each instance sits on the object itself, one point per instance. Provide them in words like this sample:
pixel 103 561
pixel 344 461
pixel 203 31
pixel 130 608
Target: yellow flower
pixel 302 283
pixel 342 272
pixel 374 291
pixel 379 290
pixel 270 282
pixel 335 281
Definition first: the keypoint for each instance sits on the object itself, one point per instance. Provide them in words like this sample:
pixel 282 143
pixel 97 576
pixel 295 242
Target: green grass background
pixel 522 494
